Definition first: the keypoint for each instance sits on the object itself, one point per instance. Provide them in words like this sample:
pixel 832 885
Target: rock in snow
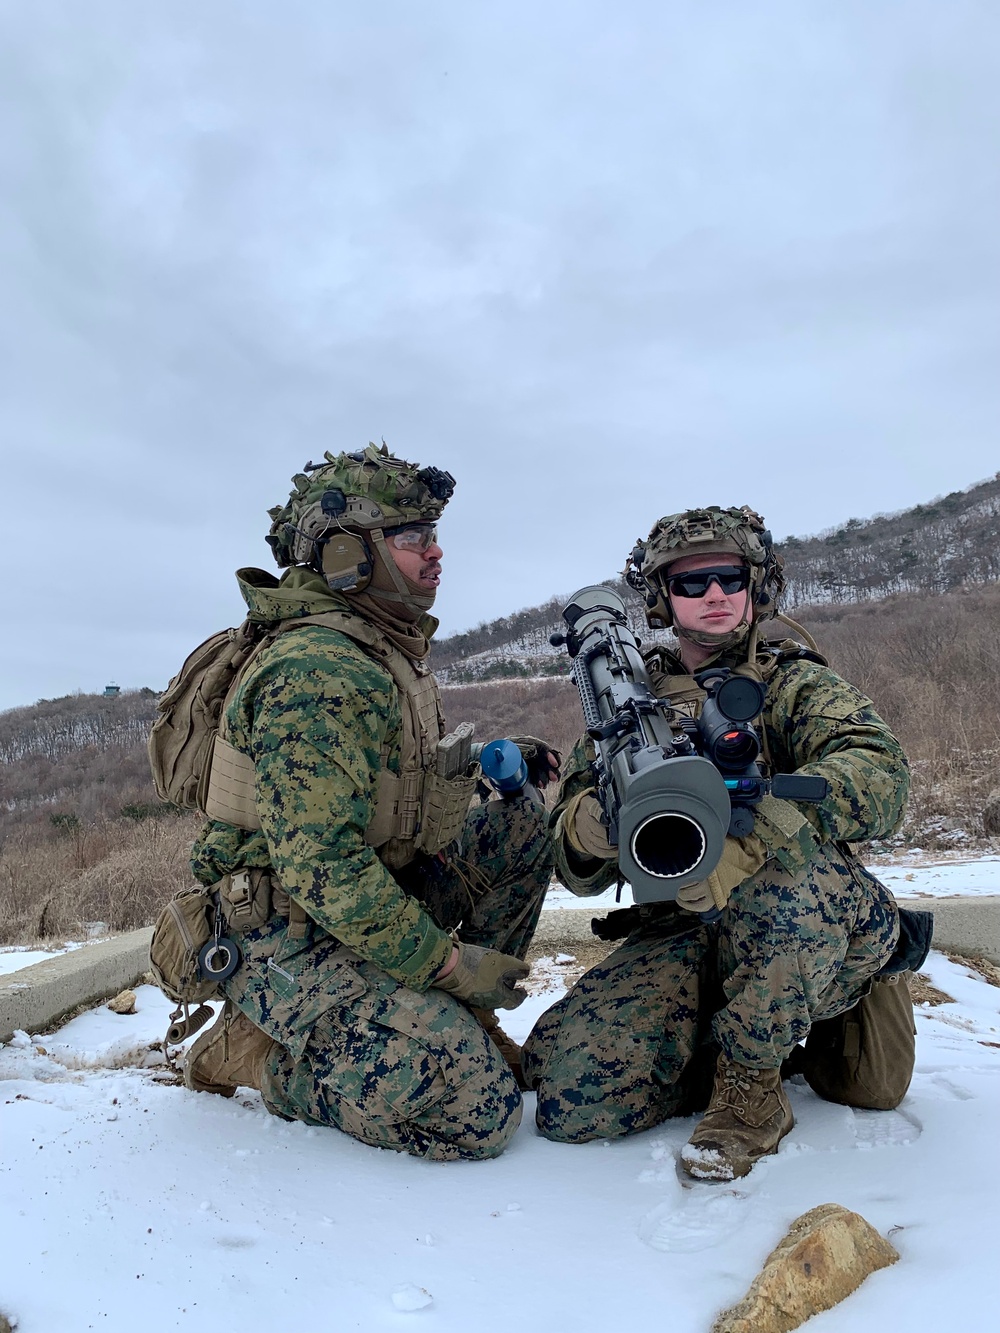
pixel 826 1254
pixel 123 1002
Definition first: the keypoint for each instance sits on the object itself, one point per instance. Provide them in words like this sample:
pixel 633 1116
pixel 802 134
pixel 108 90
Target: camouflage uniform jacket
pixel 813 722
pixel 317 714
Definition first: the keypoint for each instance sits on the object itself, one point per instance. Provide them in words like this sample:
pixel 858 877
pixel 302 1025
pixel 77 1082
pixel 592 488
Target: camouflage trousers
pixel 394 1067
pixel 636 1039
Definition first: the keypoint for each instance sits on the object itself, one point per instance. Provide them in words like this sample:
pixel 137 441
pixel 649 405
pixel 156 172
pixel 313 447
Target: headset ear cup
pixel 658 613
pixel 346 562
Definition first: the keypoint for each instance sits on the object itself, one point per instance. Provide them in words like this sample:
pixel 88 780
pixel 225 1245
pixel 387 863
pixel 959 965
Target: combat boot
pixel 507 1047
pixel 231 1054
pixel 746 1119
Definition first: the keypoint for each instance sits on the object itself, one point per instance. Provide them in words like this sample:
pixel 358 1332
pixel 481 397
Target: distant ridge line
pixel 950 542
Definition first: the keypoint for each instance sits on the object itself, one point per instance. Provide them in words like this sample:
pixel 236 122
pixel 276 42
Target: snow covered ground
pixel 128 1203
pixel 908 875
pixel 15 956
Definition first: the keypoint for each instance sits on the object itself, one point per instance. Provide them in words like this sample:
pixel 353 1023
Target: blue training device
pixel 503 766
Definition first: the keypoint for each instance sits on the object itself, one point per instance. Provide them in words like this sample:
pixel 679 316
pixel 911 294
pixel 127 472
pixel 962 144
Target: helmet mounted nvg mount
pixel 343 505
pixel 712 531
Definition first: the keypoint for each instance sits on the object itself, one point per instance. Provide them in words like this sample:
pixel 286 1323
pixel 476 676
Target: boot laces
pixel 738 1084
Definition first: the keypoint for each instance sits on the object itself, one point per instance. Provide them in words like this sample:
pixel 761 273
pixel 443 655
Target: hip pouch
pixel 189 956
pixel 182 930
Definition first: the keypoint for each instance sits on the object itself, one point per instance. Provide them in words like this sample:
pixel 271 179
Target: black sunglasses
pixel 696 582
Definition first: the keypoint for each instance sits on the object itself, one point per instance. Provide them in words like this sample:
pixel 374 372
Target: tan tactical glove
pixel 538 757
pixel 741 858
pixel 585 833
pixel 485 978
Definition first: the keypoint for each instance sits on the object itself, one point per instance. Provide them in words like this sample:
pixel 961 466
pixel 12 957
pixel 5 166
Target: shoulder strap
pixel 346 622
pixel 803 633
pixel 401 667
pixel 787 650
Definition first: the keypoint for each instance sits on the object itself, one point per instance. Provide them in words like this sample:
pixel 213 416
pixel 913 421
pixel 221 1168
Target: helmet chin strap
pixel 416 601
pixel 716 642
pixel 720 643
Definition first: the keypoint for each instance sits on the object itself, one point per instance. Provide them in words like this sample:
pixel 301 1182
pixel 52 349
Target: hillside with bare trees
pixel 85 843
pixel 950 543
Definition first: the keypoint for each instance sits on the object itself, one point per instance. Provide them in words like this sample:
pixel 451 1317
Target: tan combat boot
pixel 746 1119
pixel 507 1047
pixel 230 1054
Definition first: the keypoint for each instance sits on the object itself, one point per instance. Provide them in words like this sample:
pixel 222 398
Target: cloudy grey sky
pixel 600 261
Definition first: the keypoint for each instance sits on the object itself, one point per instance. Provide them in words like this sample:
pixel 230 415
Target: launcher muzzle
pixel 670 793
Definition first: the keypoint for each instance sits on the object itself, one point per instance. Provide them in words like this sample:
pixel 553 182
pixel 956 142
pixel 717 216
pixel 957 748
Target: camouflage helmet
pixel 360 492
pixel 711 531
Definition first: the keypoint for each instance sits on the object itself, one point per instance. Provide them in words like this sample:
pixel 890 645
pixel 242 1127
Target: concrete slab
pixel 969 926
pixel 35 997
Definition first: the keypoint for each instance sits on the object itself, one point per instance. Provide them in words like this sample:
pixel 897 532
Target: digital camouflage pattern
pixel 365 1045
pixel 799 941
pixel 313 712
pixel 392 1066
pixel 415 1073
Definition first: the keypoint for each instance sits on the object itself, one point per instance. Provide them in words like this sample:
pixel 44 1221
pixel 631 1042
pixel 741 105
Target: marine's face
pixel 715 611
pixel 416 554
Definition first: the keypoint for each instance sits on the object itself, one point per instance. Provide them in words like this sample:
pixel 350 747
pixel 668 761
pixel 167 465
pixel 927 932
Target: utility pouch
pixel 443 811
pixel 397 808
pixel 248 899
pixel 865 1057
pixel 182 931
pixel 916 929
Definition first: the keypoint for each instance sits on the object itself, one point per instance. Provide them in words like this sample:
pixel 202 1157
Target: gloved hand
pixel 538 757
pixel 584 830
pixel 741 858
pixel 485 978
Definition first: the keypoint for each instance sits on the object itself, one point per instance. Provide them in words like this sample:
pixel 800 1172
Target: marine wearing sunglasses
pixel 696 582
pixel 709 594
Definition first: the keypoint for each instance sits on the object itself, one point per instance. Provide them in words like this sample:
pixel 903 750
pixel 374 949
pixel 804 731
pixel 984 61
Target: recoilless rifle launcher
pixel 670 791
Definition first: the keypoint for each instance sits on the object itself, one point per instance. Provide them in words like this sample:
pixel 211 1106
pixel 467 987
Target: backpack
pixel 190 709
pixel 423 809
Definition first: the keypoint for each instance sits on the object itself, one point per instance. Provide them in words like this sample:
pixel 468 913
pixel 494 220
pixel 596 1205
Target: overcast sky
pixel 601 261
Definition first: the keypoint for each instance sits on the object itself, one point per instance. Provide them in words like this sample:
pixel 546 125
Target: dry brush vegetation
pixel 931 663
pixel 83 838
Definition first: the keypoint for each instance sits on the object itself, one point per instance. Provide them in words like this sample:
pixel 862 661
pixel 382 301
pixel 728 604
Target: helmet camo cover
pixel 359 491
pixel 737 530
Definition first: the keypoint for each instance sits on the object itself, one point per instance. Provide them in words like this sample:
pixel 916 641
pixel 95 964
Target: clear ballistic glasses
pixel 413 537
pixel 696 582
